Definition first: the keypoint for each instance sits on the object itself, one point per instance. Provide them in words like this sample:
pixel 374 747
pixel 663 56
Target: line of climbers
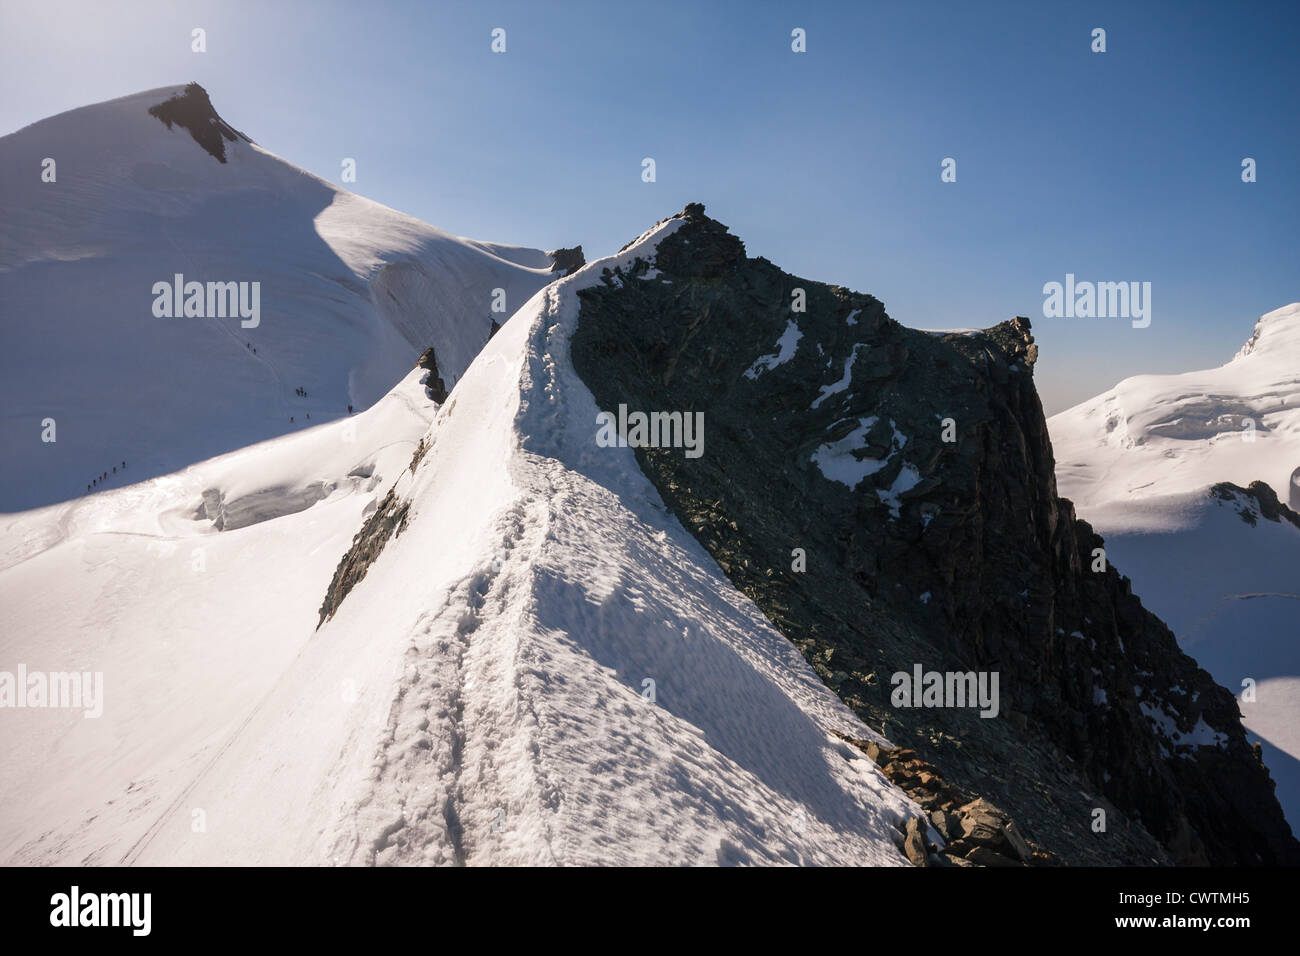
pixel 104 476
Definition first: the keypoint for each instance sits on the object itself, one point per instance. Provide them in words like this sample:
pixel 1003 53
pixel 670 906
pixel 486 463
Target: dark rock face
pixel 1258 500
pixel 389 517
pixel 193 111
pixel 913 474
pixel 387 520
pixel 568 261
pixel 433 381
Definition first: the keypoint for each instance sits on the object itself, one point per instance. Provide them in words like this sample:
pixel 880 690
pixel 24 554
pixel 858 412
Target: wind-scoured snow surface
pixel 351 293
pixel 543 667
pixel 1139 461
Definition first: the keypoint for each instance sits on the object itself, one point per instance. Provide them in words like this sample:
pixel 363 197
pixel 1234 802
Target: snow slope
pixel 482 696
pixel 1156 435
pixel 1139 461
pixel 350 293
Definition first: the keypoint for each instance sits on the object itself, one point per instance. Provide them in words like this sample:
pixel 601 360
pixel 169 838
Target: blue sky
pixel 1115 166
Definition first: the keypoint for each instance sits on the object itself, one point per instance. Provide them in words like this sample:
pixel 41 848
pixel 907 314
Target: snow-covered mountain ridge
pixel 541 667
pixel 451 624
pixel 887 497
pixel 104 203
pixel 1155 435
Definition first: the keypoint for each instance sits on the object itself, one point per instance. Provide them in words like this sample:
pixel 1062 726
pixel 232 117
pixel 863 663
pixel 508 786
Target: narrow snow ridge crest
pixel 1276 330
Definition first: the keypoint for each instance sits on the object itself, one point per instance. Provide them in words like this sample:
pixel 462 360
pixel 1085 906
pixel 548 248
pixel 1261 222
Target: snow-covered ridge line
pixel 586 575
pixel 349 292
pixel 190 625
pixel 1275 331
pixel 1169 434
pixel 543 667
pixel 941 545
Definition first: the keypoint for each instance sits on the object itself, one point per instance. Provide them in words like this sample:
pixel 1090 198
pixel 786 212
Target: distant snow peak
pixel 211 300
pixel 651 430
pixel 1100 300
pixel 1158 435
pixel 1279 329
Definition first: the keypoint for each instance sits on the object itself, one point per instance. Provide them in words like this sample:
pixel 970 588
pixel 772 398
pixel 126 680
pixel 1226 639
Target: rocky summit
pixel 192 110
pixel 887 497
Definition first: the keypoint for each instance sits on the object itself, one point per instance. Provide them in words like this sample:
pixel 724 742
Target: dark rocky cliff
pixel 942 543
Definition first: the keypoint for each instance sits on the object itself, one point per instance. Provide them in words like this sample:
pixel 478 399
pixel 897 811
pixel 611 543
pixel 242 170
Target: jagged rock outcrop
pixel 1257 500
pixel 887 496
pixel 193 111
pixel 568 261
pixel 433 382
pixel 385 522
pixel 974 831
